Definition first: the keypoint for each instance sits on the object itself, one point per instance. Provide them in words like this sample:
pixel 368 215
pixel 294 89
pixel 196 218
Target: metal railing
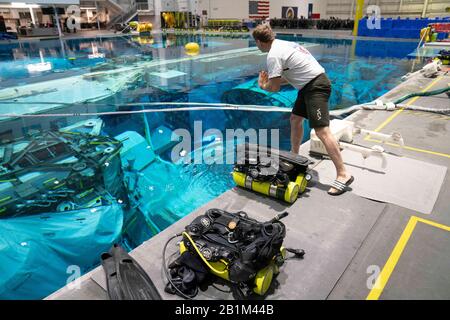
pixel 147 6
pixel 125 16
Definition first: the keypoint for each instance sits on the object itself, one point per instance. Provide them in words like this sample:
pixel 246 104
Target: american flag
pixel 259 9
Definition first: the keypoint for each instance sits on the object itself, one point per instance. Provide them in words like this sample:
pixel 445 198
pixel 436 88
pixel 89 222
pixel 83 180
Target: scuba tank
pixel 444 56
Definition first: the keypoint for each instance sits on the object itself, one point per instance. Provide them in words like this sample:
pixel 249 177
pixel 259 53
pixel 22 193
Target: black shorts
pixel 312 101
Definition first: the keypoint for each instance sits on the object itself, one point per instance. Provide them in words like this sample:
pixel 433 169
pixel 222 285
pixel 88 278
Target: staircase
pixel 113 6
pixel 127 11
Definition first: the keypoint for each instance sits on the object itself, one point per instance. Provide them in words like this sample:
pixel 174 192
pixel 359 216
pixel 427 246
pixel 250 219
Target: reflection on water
pixel 122 73
pixel 359 72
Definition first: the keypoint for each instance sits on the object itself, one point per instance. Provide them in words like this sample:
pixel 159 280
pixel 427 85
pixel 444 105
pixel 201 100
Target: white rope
pixel 192 106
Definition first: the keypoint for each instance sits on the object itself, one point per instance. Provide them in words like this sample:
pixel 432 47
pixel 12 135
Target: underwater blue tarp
pixel 250 93
pixel 39 253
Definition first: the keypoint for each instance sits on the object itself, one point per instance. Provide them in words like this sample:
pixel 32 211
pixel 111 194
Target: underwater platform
pixel 382 240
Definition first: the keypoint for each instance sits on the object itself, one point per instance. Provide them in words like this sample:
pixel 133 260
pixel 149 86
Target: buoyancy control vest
pixel 236 248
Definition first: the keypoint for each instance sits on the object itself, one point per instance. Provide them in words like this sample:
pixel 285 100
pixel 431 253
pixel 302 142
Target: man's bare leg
pixel 332 147
pixel 296 133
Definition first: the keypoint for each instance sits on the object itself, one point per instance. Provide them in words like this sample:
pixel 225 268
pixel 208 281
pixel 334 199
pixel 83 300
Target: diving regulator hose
pixel 397 104
pixel 166 270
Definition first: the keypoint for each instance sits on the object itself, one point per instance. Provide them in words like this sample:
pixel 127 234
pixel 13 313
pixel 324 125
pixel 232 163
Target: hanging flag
pixel 289 12
pixel 259 9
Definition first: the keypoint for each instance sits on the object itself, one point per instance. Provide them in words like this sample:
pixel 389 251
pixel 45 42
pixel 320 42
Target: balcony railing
pixel 145 6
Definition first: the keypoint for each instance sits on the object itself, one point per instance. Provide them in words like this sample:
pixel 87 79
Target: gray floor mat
pixel 406 182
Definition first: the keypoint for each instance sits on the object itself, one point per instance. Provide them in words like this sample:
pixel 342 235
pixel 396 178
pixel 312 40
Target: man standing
pixel 290 62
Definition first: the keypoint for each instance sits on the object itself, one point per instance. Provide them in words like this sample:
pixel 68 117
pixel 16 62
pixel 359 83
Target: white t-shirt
pixel 293 62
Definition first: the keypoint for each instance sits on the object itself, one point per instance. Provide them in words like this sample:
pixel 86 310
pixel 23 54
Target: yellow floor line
pixel 386 122
pixel 396 113
pixel 385 274
pixel 434 224
pixel 412 148
pixel 389 267
pixel 426 115
pixel 427 151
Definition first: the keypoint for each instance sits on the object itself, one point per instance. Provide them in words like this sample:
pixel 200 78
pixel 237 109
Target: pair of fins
pixel 125 278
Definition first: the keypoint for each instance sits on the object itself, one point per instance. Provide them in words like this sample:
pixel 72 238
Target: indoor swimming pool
pixel 94 93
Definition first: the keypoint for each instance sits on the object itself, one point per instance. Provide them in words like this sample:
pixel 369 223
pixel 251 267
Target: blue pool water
pixel 122 74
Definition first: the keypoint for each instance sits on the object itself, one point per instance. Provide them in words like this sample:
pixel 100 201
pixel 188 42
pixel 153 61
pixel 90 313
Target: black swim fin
pixel 125 278
pixel 112 282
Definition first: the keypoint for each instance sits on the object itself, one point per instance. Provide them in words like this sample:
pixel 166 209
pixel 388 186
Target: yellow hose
pixel 201 255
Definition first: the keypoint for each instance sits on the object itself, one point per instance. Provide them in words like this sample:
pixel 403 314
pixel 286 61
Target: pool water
pixel 125 73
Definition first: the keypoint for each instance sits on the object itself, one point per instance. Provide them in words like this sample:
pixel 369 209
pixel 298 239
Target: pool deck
pixel 346 238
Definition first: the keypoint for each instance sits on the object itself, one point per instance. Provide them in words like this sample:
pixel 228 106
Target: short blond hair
pixel 263 33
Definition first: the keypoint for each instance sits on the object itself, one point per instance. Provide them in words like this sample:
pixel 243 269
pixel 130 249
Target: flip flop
pixel 340 187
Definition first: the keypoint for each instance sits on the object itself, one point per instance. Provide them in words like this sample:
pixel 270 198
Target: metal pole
pixel 63 50
pixel 98 21
pixel 352 9
pixel 57 22
pixel 425 6
pixel 32 16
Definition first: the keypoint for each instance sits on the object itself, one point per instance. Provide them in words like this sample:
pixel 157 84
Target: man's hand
pixel 263 79
pixel 264 75
pixel 271 85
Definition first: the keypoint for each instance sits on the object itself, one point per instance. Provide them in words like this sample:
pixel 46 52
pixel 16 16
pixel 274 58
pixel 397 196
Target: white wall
pixel 238 9
pixel 219 9
pixel 174 5
pixel 320 6
pixel 43 2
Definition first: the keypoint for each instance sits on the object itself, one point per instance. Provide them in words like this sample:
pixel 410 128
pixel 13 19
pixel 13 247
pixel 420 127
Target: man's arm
pixel 284 82
pixel 272 85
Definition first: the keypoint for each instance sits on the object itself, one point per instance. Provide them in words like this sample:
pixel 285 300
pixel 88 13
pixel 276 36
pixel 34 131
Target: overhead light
pixel 18 4
pixel 23 5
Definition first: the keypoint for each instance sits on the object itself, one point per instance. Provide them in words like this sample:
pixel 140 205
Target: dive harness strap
pixel 186 274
